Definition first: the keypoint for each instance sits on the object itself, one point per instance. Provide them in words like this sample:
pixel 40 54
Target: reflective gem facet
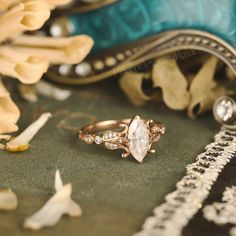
pixel 98 140
pixel 225 110
pixel 138 139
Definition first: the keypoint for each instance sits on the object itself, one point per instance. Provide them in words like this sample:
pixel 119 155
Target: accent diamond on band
pixel 136 136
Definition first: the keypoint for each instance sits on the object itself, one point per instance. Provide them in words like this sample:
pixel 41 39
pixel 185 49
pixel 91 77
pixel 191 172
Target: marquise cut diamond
pixel 138 139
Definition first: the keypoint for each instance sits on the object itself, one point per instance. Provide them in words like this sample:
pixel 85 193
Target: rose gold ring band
pixel 136 136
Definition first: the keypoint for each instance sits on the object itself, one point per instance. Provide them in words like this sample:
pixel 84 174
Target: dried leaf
pixel 5 137
pixel 167 75
pixel 204 90
pixel 8 200
pixel 26 16
pixel 57 50
pixel 5 4
pixel 131 84
pixel 9 113
pixel 27 58
pixel 55 3
pixel 230 74
pixel 21 142
pixel 58 205
pixel 207 103
pixel 27 68
pixel 51 91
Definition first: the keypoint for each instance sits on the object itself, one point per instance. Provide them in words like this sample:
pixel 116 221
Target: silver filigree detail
pixel 150 48
pixel 181 205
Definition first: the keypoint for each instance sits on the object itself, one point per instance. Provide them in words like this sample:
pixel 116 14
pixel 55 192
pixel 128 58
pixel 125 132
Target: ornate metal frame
pixel 117 61
pixel 86 7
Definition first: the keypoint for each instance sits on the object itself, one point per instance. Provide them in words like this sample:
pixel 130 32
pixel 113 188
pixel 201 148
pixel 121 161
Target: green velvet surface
pixel 116 194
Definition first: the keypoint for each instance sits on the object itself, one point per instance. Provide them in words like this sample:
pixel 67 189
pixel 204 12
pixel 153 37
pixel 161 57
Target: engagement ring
pixel 136 136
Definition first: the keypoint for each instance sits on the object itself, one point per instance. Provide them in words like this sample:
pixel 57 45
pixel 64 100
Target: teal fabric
pixel 130 20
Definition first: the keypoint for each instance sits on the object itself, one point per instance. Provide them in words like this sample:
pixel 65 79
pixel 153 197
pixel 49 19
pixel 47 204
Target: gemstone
pixel 138 139
pixel 111 146
pixel 109 135
pixel 56 30
pixel 110 61
pixel 61 27
pixel 98 140
pixel 225 109
pixel 98 65
pixel 83 69
pixel 120 56
pixel 89 139
pixel 64 69
pixel 128 53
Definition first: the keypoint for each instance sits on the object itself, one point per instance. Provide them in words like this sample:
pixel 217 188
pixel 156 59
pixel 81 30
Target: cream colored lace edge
pixel 180 206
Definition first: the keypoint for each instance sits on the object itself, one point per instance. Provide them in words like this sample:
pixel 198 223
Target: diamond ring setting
pixel 135 136
pixel 225 111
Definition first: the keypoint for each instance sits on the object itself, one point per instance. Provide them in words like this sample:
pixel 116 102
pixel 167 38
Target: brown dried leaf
pixel 204 90
pixel 167 75
pixel 131 84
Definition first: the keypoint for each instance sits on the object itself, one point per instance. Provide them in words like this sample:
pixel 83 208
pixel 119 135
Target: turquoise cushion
pixel 130 20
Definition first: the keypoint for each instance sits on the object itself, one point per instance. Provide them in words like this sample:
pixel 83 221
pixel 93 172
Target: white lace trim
pixel 181 205
pixel 224 212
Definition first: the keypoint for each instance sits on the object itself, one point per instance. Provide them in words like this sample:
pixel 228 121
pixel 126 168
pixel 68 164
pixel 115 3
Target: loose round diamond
pixel 98 140
pixel 224 109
